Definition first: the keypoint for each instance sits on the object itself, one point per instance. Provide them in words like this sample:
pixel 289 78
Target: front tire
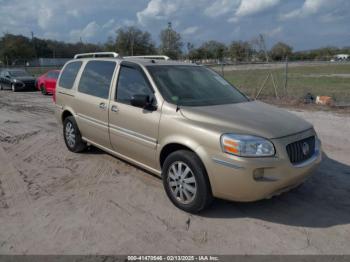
pixel 14 88
pixel 186 182
pixel 72 136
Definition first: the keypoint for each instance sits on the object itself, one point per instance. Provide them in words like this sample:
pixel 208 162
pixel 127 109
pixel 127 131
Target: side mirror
pixel 142 101
pixel 7 76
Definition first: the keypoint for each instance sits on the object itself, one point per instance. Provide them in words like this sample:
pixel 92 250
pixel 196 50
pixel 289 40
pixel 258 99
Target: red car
pixel 47 82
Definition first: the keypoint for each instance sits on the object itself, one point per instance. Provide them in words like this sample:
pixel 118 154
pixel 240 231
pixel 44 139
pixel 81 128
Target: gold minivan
pixel 187 124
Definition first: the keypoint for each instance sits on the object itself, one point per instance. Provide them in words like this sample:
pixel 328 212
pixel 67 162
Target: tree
pixel 16 48
pixel 132 41
pixel 214 49
pixel 171 44
pixel 281 51
pixel 240 51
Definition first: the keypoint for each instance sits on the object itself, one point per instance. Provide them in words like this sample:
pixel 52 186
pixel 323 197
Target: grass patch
pixel 330 80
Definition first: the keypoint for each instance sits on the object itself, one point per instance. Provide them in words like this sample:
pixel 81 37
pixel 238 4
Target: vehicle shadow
pixel 322 201
pixel 92 150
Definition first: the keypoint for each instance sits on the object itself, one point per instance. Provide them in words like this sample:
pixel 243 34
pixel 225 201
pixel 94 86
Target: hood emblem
pixel 305 148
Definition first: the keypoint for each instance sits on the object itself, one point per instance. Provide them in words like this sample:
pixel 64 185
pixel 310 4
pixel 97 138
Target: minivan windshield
pixel 194 86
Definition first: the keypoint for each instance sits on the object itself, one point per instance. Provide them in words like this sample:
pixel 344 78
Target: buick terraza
pixel 187 124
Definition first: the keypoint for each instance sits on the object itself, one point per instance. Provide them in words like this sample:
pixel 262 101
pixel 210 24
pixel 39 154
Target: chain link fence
pixel 293 80
pixel 281 80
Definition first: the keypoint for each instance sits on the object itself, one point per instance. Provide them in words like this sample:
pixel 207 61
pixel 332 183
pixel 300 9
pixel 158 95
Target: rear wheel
pixel 186 182
pixel 43 90
pixel 1 88
pixel 72 136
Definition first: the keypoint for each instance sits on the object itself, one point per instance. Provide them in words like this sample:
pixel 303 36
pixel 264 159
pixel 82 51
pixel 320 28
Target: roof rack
pixel 155 57
pixel 97 54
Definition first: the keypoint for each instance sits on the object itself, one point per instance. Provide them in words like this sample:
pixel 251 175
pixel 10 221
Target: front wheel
pixel 14 88
pixel 72 136
pixel 186 182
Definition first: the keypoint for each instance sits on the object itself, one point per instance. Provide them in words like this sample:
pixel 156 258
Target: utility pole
pixel 286 77
pixel 169 35
pixel 262 41
pixel 33 43
pixel 131 39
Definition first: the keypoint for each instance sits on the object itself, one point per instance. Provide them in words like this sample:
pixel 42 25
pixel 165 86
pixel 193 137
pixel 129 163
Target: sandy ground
pixel 56 202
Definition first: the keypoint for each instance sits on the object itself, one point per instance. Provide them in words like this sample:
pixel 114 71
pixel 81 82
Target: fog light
pixel 258 174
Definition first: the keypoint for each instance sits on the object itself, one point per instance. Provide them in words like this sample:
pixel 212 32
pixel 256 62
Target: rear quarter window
pixel 69 75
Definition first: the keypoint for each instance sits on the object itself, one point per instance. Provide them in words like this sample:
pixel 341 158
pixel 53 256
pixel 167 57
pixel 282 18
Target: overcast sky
pixel 304 24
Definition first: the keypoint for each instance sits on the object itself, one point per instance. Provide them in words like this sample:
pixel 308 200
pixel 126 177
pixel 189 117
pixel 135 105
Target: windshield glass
pixel 18 73
pixel 53 74
pixel 194 86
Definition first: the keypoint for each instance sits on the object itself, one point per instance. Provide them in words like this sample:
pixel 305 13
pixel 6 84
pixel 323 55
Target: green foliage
pixel 14 47
pixel 132 41
pixel 17 49
pixel 281 51
pixel 171 44
pixel 240 51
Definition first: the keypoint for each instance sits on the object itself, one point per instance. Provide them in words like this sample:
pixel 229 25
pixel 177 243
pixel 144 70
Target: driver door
pixel 133 130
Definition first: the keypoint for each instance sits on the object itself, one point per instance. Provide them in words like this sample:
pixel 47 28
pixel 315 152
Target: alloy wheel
pixel 70 134
pixel 182 182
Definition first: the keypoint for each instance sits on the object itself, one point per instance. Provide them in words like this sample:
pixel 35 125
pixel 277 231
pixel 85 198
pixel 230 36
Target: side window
pixel 131 82
pixel 69 74
pixel 96 78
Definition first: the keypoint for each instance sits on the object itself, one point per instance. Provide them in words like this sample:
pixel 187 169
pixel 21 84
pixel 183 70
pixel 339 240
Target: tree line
pixel 131 40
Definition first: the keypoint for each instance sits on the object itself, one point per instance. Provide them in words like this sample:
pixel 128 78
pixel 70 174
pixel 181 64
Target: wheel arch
pixel 171 147
pixel 66 113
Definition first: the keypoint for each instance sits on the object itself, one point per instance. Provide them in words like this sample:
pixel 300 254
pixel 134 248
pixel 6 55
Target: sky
pixel 303 24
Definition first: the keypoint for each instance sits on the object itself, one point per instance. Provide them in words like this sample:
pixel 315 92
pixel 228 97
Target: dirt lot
pixel 56 202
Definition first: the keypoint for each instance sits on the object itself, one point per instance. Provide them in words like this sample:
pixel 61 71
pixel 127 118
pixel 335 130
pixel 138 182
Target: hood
pixel 253 118
pixel 24 78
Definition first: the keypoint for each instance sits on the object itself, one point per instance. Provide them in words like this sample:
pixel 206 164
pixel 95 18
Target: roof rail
pixel 155 57
pixel 97 54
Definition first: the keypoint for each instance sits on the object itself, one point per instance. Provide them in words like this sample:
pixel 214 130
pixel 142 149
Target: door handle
pixel 103 106
pixel 114 109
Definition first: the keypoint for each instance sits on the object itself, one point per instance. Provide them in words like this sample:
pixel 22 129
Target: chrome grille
pixel 301 150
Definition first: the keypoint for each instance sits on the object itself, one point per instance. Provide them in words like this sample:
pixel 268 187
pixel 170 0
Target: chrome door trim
pixel 149 141
pixel 93 121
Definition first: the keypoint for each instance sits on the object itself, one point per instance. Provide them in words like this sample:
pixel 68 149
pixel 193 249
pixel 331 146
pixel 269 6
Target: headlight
pixel 246 145
pixel 15 80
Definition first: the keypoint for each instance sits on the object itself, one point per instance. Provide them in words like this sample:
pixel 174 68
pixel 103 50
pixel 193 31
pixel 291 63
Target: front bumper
pixel 250 179
pixel 26 85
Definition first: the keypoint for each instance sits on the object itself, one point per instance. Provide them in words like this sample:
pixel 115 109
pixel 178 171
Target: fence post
pixel 286 77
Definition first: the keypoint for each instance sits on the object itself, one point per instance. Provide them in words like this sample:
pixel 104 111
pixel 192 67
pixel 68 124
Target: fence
pixel 281 80
pixel 290 80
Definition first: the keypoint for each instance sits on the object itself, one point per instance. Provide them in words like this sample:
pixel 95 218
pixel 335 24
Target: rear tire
pixel 72 136
pixel 43 90
pixel 186 182
pixel 1 88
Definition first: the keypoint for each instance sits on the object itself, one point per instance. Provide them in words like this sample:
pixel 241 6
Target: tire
pixel 43 90
pixel 14 88
pixel 194 180
pixel 72 136
pixel 1 88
